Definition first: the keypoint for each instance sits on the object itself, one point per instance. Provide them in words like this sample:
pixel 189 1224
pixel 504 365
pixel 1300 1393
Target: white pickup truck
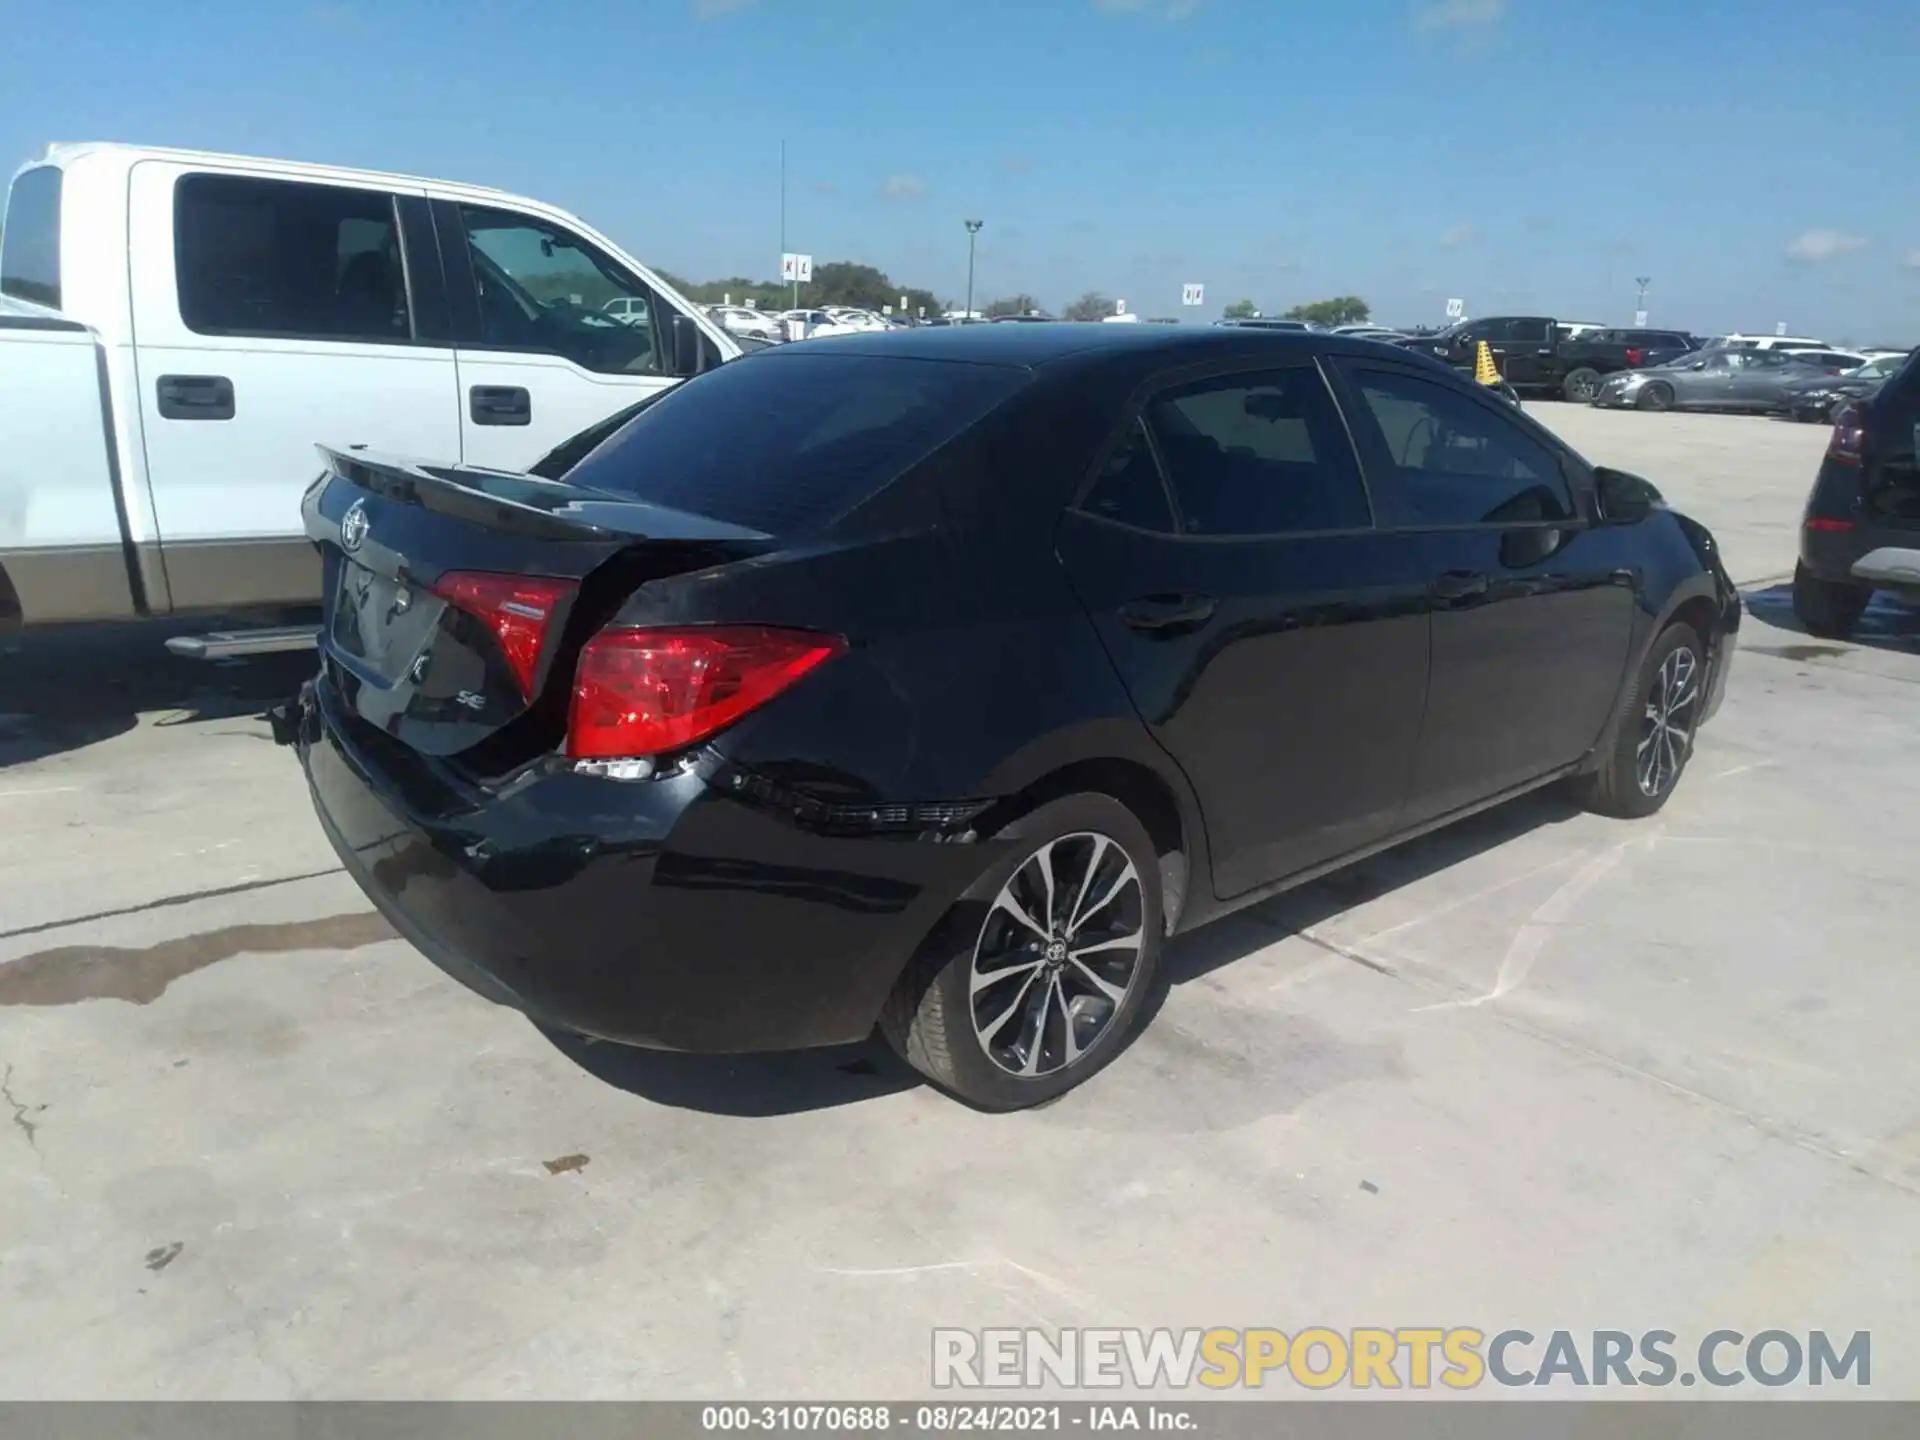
pixel 179 330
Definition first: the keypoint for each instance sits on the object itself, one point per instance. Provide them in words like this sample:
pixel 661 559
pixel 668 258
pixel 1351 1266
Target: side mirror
pixel 1624 499
pixel 687 349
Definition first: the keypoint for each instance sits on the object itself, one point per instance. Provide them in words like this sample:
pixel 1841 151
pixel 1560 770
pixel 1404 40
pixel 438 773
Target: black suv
pixel 1861 529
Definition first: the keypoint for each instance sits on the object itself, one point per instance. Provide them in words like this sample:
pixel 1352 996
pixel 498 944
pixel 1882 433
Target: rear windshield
pixel 30 242
pixel 788 443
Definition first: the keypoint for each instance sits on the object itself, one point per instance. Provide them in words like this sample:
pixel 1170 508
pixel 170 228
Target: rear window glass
pixel 30 242
pixel 788 443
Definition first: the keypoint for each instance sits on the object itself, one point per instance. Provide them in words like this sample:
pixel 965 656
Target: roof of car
pixel 1031 345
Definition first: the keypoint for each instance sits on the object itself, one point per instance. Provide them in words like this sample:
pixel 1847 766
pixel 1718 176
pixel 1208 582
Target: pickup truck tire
pixel 1828 608
pixel 1581 385
pixel 1655 395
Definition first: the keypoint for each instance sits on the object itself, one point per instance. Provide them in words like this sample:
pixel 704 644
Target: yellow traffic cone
pixel 1484 370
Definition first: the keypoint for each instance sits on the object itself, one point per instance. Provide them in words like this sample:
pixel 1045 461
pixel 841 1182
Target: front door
pixel 553 334
pixel 1273 640
pixel 271 315
pixel 1532 605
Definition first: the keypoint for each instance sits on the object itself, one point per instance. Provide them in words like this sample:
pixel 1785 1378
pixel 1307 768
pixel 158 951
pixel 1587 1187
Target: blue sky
pixel 1755 158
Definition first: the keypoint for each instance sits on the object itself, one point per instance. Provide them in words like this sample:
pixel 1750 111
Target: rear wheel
pixel 1653 736
pixel 1656 395
pixel 1829 608
pixel 1037 976
pixel 1581 385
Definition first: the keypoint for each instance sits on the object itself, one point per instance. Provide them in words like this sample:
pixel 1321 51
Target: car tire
pixel 980 1041
pixel 1828 608
pixel 1653 733
pixel 1581 386
pixel 1655 395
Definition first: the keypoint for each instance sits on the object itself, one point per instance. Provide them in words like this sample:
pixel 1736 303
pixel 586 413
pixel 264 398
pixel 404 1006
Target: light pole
pixel 973 229
pixel 1642 281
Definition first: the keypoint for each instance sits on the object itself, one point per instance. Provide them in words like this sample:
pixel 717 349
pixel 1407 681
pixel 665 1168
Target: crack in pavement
pixel 170 900
pixel 20 1112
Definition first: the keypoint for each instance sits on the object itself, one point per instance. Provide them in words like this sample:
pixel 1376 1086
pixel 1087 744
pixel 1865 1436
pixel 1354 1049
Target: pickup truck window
pixel 1529 332
pixel 544 290
pixel 30 244
pixel 284 259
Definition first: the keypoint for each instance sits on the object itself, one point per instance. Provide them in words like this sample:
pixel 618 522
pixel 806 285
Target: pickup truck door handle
pixel 194 397
pixel 1459 584
pixel 500 405
pixel 1164 616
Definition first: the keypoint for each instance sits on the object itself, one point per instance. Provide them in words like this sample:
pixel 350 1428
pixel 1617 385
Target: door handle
pixel 500 405
pixel 1167 615
pixel 194 397
pixel 1459 584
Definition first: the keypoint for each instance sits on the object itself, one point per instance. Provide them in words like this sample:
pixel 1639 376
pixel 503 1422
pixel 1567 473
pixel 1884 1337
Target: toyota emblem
pixel 354 526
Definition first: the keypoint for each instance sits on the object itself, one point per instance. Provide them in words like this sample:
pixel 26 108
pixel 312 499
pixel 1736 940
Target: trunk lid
pixel 456 597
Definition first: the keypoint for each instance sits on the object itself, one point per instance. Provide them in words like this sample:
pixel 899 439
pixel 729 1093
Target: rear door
pixel 552 332
pixel 272 314
pixel 1272 638
pixel 1529 347
pixel 1532 606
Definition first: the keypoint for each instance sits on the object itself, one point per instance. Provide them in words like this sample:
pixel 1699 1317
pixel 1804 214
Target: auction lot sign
pixel 1203 1420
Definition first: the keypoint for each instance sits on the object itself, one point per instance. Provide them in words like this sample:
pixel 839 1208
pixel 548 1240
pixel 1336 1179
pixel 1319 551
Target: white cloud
pixel 1459 14
pixel 714 9
pixel 1818 245
pixel 902 187
pixel 1911 260
pixel 1457 235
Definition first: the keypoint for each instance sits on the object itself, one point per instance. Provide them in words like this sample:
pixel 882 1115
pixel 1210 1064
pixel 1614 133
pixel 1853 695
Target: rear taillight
pixel 638 693
pixel 1634 357
pixel 1828 523
pixel 1849 434
pixel 518 609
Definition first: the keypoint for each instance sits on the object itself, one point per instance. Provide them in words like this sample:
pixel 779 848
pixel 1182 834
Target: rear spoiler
pixel 509 499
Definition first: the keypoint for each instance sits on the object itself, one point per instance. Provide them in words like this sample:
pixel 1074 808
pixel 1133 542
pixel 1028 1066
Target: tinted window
pixel 30 243
pixel 1261 454
pixel 1528 332
pixel 787 443
pixel 1461 461
pixel 544 290
pixel 275 257
pixel 1128 488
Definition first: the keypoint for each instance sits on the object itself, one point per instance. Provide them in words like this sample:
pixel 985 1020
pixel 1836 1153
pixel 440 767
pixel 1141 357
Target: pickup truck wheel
pixel 1828 608
pixel 1656 395
pixel 1582 385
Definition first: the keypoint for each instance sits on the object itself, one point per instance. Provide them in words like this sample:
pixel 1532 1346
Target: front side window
pixel 286 259
pixel 30 243
pixel 1461 461
pixel 1258 454
pixel 543 290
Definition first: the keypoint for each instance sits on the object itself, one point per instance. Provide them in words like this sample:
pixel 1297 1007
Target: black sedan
pixel 933 680
pixel 1814 400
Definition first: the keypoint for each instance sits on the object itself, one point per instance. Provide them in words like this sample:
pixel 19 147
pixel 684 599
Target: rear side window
pixel 1462 462
pixel 1128 489
pixel 1259 454
pixel 284 259
pixel 786 444
pixel 30 243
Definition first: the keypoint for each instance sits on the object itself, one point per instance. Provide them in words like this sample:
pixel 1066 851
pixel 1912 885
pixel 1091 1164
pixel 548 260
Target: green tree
pixel 1240 310
pixel 1341 310
pixel 1011 305
pixel 1090 306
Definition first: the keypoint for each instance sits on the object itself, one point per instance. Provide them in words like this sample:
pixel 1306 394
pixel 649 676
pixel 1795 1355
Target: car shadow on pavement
pixel 1888 624
pixel 784 1082
pixel 66 688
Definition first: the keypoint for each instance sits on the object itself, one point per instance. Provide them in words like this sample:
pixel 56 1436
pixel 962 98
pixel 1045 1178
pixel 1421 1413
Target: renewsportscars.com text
pixel 1457 1358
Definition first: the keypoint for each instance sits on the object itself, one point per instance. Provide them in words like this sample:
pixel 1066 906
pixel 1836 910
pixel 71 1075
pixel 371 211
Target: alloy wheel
pixel 1666 729
pixel 1057 955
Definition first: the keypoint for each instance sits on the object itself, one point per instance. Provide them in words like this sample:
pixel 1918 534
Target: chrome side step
pixel 231 644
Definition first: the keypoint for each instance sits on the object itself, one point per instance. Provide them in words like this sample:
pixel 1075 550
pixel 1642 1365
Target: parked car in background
pixel 1770 342
pixel 699 698
pixel 1861 528
pixel 807 324
pixel 744 320
pixel 181 329
pixel 1751 380
pixel 1577 329
pixel 1815 398
pixel 1261 322
pixel 1590 358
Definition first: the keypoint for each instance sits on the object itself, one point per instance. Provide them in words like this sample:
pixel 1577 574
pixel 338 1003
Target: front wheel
pixel 1653 735
pixel 1828 608
pixel 1035 979
pixel 1581 386
pixel 1656 395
